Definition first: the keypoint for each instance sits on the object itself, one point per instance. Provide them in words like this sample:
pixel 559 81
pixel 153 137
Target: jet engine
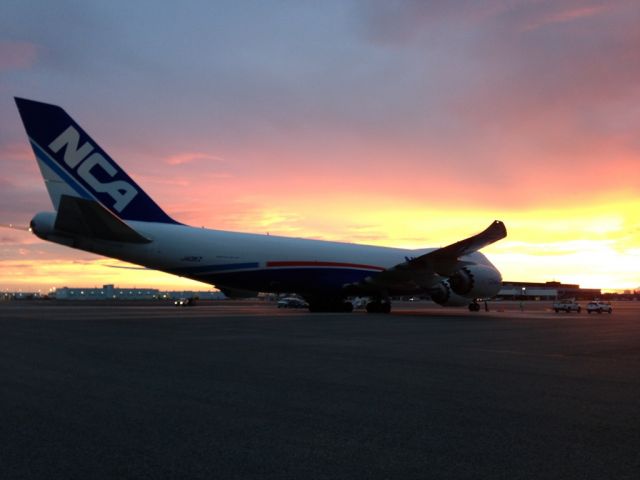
pixel 476 281
pixel 444 295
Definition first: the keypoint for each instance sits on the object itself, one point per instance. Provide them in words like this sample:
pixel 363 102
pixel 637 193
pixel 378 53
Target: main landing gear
pixel 474 306
pixel 378 306
pixel 324 305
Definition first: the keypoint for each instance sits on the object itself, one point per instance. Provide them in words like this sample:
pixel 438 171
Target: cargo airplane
pixel 98 208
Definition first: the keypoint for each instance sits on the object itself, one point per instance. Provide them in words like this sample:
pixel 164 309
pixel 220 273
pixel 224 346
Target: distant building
pixel 5 296
pixel 201 295
pixel 109 292
pixel 546 291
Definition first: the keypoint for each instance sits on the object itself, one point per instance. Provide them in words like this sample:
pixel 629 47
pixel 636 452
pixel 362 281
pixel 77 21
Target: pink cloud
pixel 190 157
pixel 565 16
pixel 16 151
pixel 17 55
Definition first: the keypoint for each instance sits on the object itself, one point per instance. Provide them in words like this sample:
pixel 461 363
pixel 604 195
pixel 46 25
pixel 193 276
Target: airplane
pixel 98 208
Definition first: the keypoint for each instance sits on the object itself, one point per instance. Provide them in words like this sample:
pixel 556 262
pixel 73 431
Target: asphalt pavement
pixel 245 390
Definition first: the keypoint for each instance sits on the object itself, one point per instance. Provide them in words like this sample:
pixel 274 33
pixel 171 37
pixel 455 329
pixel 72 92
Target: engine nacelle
pixel 43 224
pixel 447 298
pixel 476 281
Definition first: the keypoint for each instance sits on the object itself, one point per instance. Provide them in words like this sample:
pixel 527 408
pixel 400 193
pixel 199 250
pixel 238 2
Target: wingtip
pixel 499 227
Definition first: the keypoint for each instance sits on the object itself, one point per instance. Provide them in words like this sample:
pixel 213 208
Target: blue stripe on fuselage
pixel 297 279
pixel 53 165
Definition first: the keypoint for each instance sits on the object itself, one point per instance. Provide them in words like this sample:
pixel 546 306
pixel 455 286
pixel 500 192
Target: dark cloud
pixel 18 204
pixel 553 82
pixel 434 88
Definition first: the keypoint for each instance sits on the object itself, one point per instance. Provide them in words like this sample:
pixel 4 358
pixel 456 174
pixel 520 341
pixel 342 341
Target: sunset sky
pixel 397 123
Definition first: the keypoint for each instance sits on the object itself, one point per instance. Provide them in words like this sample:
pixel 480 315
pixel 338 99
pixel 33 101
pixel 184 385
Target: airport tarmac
pixel 245 390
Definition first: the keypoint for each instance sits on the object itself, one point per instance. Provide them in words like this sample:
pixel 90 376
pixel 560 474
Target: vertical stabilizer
pixel 73 164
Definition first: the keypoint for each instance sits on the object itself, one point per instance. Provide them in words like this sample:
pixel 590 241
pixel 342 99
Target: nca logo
pixel 86 160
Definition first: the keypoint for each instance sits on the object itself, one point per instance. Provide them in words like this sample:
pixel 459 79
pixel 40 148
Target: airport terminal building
pixel 110 292
pixel 546 291
pixel 509 291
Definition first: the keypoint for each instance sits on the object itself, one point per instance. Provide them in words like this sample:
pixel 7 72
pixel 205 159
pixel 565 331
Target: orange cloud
pixel 439 118
pixel 595 244
pixel 29 275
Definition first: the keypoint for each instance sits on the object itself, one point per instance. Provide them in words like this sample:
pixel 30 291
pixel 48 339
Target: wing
pixel 424 271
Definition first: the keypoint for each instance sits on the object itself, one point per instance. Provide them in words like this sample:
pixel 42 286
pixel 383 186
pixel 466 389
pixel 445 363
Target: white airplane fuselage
pixel 100 209
pixel 264 263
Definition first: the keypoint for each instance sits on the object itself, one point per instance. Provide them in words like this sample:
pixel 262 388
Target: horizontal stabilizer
pixel 87 218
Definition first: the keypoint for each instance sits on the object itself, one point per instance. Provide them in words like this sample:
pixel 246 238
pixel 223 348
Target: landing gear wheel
pixel 474 307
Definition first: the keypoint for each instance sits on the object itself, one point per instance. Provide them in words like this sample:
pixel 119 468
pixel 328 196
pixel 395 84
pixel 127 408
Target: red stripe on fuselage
pixel 323 264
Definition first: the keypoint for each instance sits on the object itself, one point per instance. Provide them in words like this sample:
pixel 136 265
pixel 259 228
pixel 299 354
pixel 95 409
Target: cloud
pixel 16 152
pixel 566 15
pixel 7 239
pixel 191 157
pixel 340 115
pixel 20 201
pixel 17 55
pixel 522 106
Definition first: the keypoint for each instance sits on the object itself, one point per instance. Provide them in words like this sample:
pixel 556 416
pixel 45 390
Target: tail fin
pixel 73 164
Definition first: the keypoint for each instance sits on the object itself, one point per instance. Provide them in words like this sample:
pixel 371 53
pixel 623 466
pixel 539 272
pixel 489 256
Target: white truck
pixel 567 306
pixel 598 306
